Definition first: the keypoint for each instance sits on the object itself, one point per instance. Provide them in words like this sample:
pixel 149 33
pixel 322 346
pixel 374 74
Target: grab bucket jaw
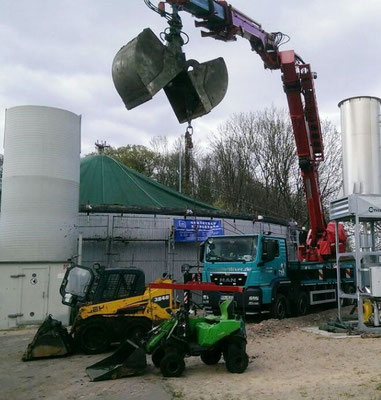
pixel 128 360
pixel 143 67
pixel 197 89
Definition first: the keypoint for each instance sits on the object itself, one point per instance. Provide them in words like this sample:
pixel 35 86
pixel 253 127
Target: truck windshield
pixel 231 249
pixel 78 281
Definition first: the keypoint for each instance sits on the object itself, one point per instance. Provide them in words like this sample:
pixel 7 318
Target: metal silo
pixel 40 184
pixel 360 132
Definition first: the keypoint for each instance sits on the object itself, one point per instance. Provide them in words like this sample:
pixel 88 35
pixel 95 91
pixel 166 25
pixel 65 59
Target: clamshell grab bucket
pixel 197 89
pixel 143 67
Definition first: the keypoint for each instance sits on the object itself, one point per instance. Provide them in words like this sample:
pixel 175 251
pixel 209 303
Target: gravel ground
pixel 286 362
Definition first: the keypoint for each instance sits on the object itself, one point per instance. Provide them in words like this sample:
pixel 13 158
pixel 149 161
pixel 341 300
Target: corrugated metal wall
pixel 144 241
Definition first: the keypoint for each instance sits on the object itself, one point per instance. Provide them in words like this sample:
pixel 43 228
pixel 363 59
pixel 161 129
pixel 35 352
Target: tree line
pixel 250 165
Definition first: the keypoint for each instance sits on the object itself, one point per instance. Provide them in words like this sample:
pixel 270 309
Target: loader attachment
pixel 144 66
pixel 197 89
pixel 51 340
pixel 128 360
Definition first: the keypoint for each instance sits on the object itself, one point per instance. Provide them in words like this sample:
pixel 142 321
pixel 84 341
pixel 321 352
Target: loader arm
pixel 155 304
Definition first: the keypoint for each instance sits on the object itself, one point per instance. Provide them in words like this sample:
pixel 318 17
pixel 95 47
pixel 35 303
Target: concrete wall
pixel 145 241
pixel 29 292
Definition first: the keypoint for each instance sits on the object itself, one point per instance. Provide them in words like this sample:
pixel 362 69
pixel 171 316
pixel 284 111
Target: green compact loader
pixel 210 337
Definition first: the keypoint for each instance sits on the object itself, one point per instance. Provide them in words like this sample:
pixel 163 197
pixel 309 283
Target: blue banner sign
pixel 187 229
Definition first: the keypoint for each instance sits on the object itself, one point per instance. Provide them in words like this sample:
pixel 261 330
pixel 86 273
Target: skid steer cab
pixel 91 285
pixel 110 306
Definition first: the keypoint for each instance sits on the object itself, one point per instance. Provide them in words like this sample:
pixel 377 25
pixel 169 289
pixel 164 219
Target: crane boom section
pixel 224 22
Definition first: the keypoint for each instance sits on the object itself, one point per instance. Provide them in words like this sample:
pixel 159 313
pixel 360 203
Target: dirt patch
pixel 285 363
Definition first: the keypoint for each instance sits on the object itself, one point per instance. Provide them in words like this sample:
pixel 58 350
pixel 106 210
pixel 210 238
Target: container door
pixel 34 295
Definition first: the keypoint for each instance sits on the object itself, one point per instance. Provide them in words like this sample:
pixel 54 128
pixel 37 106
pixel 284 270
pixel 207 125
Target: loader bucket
pixel 198 89
pixel 143 67
pixel 51 340
pixel 128 360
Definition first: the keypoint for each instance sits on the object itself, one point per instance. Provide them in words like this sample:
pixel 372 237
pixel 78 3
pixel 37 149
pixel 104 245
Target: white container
pixel 360 133
pixel 40 184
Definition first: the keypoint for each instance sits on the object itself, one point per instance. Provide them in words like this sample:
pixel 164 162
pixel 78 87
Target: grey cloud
pixel 59 53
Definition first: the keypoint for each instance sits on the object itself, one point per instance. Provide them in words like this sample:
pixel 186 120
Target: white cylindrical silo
pixel 40 189
pixel 360 133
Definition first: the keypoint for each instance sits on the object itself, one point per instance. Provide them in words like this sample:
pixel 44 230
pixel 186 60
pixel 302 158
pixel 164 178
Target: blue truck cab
pixel 260 263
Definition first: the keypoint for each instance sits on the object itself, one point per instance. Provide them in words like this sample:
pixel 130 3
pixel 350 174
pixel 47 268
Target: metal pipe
pixel 376 314
pixel 80 248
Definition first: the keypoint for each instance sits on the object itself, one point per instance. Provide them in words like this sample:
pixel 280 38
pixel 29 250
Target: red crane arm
pixel 224 22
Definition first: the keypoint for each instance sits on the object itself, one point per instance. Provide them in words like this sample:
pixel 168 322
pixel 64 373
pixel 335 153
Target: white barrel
pixel 40 192
pixel 360 133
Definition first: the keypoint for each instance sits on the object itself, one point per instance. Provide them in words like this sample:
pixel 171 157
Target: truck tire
pixel 211 357
pixel 279 307
pixel 302 304
pixel 172 364
pixel 93 337
pixel 236 359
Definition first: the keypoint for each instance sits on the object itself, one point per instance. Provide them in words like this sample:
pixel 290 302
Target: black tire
pixel 211 357
pixel 236 359
pixel 279 307
pixel 172 365
pixel 93 337
pixel 302 304
pixel 137 332
pixel 157 356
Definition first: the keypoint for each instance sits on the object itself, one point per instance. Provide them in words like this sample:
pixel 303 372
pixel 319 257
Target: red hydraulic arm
pixel 223 22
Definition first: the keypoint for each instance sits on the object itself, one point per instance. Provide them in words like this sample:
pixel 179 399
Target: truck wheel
pixel 236 359
pixel 302 304
pixel 279 307
pixel 211 357
pixel 93 337
pixel 172 364
pixel 157 356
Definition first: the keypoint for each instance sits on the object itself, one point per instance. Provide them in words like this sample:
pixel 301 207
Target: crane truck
pixel 260 263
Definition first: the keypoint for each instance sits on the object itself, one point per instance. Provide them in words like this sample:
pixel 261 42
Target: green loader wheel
pixel 211 357
pixel 157 356
pixel 236 359
pixel 172 364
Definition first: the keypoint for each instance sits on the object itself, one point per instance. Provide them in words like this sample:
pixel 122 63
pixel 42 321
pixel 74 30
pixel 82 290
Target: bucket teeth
pixel 144 66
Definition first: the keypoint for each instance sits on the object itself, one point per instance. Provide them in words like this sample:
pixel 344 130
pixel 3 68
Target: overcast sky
pixel 59 53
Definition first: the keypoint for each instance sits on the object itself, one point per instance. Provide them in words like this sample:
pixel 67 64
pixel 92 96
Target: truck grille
pixel 228 279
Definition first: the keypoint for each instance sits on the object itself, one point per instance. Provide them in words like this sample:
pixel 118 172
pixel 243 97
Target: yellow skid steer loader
pixel 111 305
